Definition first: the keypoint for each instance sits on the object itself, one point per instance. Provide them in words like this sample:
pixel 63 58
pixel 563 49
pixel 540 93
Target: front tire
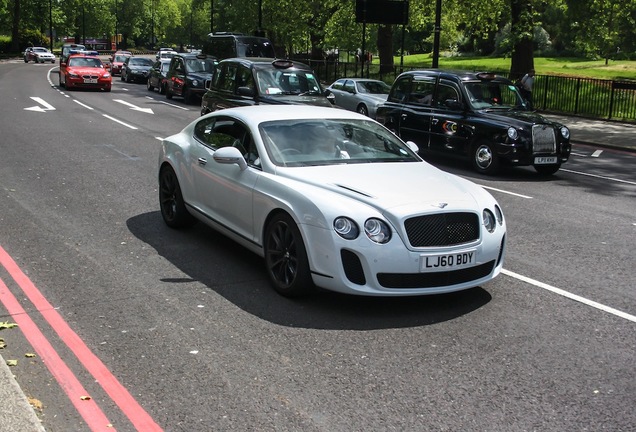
pixel 286 257
pixel 173 209
pixel 362 109
pixel 484 158
pixel 149 86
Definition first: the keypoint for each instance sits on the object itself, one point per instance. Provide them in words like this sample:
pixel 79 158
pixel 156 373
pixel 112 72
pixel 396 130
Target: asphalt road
pixel 157 329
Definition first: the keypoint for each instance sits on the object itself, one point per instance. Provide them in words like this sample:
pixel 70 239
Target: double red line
pixel 87 407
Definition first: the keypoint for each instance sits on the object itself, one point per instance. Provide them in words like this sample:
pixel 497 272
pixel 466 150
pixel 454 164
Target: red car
pixel 116 63
pixel 85 71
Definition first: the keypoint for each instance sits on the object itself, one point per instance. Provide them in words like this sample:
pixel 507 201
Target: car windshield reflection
pixel 328 142
pixel 485 95
pixel 199 65
pixel 286 82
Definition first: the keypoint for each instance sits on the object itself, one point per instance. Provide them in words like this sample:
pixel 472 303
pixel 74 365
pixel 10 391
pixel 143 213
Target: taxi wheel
pixel 168 93
pixel 121 77
pixel 149 86
pixel 26 60
pixel 162 89
pixel 173 209
pixel 286 257
pixel 484 158
pixel 188 96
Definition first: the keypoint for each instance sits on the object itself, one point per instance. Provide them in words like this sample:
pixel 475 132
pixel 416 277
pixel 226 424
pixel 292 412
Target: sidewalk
pixel 608 134
pixel 15 412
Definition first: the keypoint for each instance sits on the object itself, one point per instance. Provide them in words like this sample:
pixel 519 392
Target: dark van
pixel 224 45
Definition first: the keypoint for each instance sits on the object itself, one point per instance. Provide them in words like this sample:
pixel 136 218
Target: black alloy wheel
pixel 173 209
pixel 362 109
pixel 286 257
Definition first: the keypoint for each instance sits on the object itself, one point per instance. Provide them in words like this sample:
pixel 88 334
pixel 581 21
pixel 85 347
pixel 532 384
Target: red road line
pixel 88 409
pixel 117 392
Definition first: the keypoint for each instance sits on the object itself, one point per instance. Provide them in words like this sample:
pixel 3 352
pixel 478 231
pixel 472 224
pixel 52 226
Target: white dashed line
pixel 570 296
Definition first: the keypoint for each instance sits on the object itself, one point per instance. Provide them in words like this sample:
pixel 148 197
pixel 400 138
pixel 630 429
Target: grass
pixel 575 67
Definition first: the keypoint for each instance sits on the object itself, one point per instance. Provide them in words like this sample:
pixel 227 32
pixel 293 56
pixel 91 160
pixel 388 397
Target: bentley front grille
pixel 442 229
pixel 543 139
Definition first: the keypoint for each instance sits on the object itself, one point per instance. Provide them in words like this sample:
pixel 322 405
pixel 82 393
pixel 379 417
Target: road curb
pixel 15 412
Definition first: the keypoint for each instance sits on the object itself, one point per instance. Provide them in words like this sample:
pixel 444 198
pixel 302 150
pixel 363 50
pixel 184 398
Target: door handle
pixel 403 116
pixel 434 121
pixel 202 161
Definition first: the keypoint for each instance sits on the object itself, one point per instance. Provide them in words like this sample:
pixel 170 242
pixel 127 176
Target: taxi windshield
pixel 199 65
pixel 287 82
pixel 492 94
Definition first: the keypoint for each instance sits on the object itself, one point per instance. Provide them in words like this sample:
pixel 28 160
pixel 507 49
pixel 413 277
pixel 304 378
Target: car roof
pixel 461 74
pixel 257 114
pixel 264 62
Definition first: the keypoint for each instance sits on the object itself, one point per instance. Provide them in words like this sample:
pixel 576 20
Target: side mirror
pixel 412 146
pixel 229 156
pixel 246 91
pixel 454 104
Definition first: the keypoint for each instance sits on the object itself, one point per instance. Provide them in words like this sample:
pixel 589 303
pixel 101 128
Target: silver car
pixel 359 94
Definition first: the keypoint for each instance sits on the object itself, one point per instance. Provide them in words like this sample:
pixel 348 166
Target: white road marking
pixel 578 154
pixel 119 121
pixel 506 192
pixel 46 105
pixel 597 153
pixel 82 104
pixel 570 296
pixel 134 107
pixel 169 104
pixel 600 177
pixel 161 139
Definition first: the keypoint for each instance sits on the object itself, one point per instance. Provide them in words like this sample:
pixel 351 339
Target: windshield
pixel 329 141
pixel 43 50
pixel 199 65
pixel 84 62
pixel 490 94
pixel 140 61
pixel 287 82
pixel 373 87
pixel 120 58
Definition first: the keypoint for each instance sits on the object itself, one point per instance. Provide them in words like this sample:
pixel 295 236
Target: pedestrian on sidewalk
pixel 525 87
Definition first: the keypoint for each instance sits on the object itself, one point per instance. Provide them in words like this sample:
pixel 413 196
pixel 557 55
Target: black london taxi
pixel 187 75
pixel 476 115
pixel 262 81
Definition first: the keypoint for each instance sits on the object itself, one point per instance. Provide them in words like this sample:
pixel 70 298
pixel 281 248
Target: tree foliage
pixel 601 28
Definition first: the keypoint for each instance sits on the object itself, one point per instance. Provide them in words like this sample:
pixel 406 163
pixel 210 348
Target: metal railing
pixel 585 97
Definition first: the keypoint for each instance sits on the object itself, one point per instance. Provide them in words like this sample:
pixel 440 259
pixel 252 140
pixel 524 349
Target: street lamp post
pixel 51 25
pixel 116 27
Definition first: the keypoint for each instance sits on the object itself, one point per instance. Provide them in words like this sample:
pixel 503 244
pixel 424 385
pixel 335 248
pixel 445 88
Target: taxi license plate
pixel 439 262
pixel 90 81
pixel 541 160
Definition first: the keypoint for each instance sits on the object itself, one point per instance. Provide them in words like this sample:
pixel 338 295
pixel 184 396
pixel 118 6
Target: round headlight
pixel 499 214
pixel 489 221
pixel 377 231
pixel 346 228
pixel 195 83
pixel 512 133
pixel 565 132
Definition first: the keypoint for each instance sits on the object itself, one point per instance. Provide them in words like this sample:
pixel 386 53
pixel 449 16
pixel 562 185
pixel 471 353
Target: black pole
pixel 152 30
pixel 116 27
pixel 211 16
pixel 51 25
pixel 83 25
pixel 438 29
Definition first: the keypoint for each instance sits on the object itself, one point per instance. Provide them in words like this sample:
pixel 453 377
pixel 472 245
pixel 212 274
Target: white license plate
pixel 90 81
pixel 453 261
pixel 542 160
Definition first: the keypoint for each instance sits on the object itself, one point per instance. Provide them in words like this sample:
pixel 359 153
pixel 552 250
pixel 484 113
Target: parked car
pixel 359 94
pixel 187 75
pixel 258 81
pixel 85 71
pixel 224 45
pixel 38 55
pixel 136 69
pixel 157 76
pixel 478 116
pixel 117 62
pixel 327 197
